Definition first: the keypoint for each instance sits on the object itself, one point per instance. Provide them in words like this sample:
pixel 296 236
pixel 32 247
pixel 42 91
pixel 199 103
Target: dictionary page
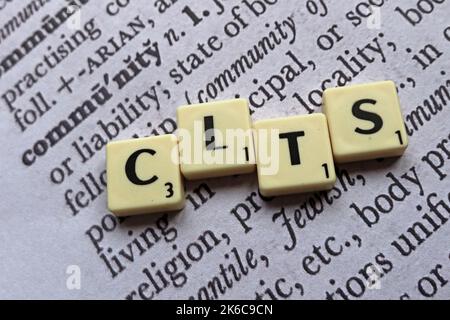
pixel 75 75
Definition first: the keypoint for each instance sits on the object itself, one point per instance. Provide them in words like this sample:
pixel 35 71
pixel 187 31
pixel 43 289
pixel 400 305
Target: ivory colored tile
pixel 144 176
pixel 294 155
pixel 215 139
pixel 365 121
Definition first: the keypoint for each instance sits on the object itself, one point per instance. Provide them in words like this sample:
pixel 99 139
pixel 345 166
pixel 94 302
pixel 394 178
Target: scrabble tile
pixel 215 139
pixel 365 122
pixel 294 155
pixel 144 176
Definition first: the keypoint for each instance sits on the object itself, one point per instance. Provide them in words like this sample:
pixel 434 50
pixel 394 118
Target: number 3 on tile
pixel 169 190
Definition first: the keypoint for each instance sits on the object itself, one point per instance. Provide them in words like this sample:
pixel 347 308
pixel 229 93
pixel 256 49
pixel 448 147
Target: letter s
pixel 368 116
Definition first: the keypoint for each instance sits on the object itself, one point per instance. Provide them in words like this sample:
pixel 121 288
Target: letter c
pixel 28 158
pixel 109 9
pixel 330 250
pixel 130 168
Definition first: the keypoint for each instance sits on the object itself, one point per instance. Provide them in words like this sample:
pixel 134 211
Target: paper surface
pixel 382 233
